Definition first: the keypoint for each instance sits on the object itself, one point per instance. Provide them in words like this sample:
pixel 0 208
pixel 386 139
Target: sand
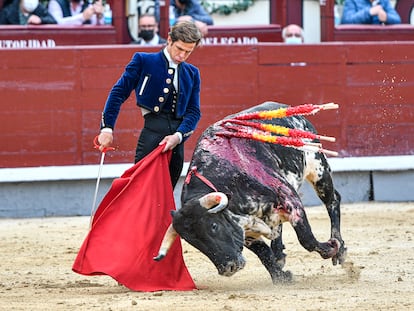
pixel 37 254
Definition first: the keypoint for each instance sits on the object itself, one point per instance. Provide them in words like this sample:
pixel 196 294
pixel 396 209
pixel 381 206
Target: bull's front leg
pixel 334 211
pixel 322 182
pixel 268 259
pixel 299 221
pixel 332 200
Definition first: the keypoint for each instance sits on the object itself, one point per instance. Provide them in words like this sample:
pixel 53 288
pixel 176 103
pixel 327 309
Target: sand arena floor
pixel 37 254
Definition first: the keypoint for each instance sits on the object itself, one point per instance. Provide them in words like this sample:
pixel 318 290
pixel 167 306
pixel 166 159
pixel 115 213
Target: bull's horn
pixel 167 241
pixel 212 199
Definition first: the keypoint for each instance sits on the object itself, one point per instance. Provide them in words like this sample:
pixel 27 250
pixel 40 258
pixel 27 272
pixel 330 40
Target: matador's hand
pixel 105 140
pixel 170 142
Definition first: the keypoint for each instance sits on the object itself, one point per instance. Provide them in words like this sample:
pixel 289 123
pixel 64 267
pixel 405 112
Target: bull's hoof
pixel 340 256
pixel 280 262
pixel 159 257
pixel 282 277
pixel 328 249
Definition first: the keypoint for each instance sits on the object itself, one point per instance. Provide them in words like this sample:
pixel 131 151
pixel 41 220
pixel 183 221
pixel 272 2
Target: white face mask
pixel 293 40
pixel 30 5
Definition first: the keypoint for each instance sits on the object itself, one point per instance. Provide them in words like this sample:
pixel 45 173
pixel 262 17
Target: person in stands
pixel 192 10
pixel 148 31
pixel 25 12
pixel 77 12
pixel 376 12
pixel 292 34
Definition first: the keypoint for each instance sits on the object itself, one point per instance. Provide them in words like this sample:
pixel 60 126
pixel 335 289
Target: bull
pixel 239 191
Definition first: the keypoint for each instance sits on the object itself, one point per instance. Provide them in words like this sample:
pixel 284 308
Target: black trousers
pixel 156 127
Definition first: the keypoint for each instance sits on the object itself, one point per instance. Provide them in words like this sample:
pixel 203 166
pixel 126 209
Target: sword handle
pixel 96 145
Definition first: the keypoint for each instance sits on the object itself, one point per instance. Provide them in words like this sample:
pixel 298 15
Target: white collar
pixel 170 61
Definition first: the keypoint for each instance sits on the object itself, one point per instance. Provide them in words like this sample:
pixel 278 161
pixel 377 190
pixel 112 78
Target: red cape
pixel 128 228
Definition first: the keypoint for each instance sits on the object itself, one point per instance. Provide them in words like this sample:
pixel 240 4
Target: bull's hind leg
pixel 323 185
pixel 266 256
pixel 278 247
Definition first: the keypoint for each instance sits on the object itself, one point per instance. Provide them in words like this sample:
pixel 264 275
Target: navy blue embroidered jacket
pixel 152 79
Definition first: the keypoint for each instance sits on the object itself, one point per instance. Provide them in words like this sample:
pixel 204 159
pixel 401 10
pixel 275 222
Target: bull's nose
pixel 232 267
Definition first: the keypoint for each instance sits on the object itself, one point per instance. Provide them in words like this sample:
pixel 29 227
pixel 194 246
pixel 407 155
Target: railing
pixel 250 34
pixel 16 36
pixel 401 32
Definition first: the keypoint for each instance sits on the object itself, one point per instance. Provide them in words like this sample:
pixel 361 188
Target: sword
pixel 98 180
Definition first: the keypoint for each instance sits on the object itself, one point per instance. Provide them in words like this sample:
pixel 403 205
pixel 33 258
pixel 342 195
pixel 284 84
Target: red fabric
pixel 128 227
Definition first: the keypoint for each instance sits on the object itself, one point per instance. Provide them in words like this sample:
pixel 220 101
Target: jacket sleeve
pixel 197 12
pixel 392 16
pixel 3 19
pixel 353 15
pixel 44 15
pixel 121 91
pixel 5 13
pixel 192 114
pixel 357 13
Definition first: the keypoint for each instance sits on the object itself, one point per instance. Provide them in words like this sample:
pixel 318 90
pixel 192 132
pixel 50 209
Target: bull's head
pixel 208 226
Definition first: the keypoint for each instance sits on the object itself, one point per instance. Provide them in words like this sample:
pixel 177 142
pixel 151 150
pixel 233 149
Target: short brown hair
pixel 187 32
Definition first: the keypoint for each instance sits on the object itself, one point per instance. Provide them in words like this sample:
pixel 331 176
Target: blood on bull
pixel 243 185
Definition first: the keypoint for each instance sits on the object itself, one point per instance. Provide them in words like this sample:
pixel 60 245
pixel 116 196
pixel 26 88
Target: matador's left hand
pixel 170 142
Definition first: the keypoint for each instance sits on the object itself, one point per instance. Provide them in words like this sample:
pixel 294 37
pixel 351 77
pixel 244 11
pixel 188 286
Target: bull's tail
pixel 166 243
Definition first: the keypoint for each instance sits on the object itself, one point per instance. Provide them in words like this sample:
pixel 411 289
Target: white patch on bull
pixel 294 180
pixel 255 228
pixel 314 168
pixel 262 221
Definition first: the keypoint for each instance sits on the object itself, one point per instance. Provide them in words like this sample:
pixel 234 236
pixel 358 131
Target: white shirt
pixel 77 17
pixel 172 64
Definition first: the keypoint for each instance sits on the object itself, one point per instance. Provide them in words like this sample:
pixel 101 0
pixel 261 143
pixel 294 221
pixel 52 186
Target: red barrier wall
pixel 51 99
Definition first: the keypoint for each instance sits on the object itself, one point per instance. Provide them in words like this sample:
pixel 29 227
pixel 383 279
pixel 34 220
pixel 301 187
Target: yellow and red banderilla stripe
pixel 277 129
pixel 306 109
pixel 289 137
pixel 264 137
pixel 280 140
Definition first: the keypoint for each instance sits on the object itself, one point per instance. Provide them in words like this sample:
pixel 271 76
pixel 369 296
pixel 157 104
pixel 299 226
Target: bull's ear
pixel 173 213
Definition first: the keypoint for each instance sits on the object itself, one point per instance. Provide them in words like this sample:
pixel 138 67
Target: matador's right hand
pixel 105 140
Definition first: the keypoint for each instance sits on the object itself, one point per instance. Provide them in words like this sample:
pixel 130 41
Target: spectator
pixel 25 12
pixel 167 89
pixel 148 31
pixel 292 34
pixel 369 12
pixel 192 10
pixel 76 12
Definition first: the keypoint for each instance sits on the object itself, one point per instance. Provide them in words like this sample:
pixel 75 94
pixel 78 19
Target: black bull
pixel 257 186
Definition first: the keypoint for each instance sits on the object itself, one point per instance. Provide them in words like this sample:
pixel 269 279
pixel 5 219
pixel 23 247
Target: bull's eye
pixel 214 227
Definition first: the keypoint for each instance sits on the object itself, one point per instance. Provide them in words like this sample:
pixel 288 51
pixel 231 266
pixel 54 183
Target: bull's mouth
pixel 231 267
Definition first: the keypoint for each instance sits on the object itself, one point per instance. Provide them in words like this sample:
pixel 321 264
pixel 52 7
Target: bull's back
pixel 247 169
pixel 289 161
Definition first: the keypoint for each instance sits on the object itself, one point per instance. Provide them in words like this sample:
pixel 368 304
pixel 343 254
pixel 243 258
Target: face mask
pixel 30 5
pixel 147 35
pixel 293 40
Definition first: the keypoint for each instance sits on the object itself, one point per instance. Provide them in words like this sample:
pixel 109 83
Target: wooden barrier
pixel 374 33
pixel 399 32
pixel 40 36
pixel 52 98
pixel 250 34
